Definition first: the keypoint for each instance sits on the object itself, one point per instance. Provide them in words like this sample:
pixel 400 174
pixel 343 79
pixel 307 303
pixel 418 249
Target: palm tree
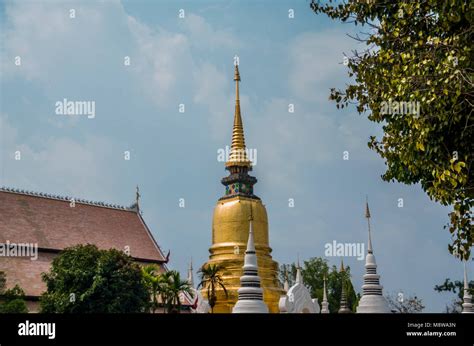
pixel 156 284
pixel 211 279
pixel 174 288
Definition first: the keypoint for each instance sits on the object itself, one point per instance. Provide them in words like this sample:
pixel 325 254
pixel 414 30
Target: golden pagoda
pixel 230 225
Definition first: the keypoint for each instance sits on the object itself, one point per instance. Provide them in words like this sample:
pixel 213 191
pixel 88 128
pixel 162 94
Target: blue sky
pixel 174 155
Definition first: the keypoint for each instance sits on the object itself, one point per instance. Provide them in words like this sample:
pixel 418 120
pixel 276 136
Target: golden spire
pixel 238 154
pixel 342 267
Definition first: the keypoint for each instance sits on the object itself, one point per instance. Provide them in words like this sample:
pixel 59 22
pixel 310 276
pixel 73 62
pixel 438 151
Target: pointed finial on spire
pixel 299 277
pixel 324 303
pixel 367 215
pixel 466 283
pixel 324 288
pixel 342 266
pixel 367 211
pixel 250 243
pixel 237 75
pixel 137 198
pixel 238 153
pixel 190 274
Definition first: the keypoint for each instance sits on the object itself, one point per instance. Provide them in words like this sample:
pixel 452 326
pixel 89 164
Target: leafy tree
pixel 165 288
pixel 287 272
pixel 211 280
pixel 12 301
pixel 84 279
pixel 313 272
pixel 334 283
pixel 156 285
pixel 457 287
pixel 418 53
pixel 409 305
pixel 175 287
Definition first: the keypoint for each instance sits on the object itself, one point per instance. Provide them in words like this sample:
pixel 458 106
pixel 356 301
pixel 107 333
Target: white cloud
pixel 163 62
pixel 203 35
pixel 58 164
pixel 45 37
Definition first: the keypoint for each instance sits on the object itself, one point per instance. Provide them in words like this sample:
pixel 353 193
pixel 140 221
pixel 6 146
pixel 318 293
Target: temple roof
pixel 51 223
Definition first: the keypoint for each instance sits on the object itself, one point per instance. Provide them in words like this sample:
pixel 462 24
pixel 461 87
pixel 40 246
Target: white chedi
pixel 372 300
pixel 298 298
pixel 250 292
pixel 324 303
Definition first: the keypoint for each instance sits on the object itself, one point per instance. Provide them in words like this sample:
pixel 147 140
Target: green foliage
pixel 155 284
pixel 313 272
pixel 12 301
pixel 456 287
pixel 287 272
pixel 3 282
pixel 13 293
pixel 173 289
pixel 84 279
pixel 211 280
pixel 15 306
pixel 418 52
pixel 165 288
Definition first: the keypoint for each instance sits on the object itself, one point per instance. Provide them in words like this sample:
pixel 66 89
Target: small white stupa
pixel 372 300
pixel 325 304
pixel 298 298
pixel 467 306
pixel 250 292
